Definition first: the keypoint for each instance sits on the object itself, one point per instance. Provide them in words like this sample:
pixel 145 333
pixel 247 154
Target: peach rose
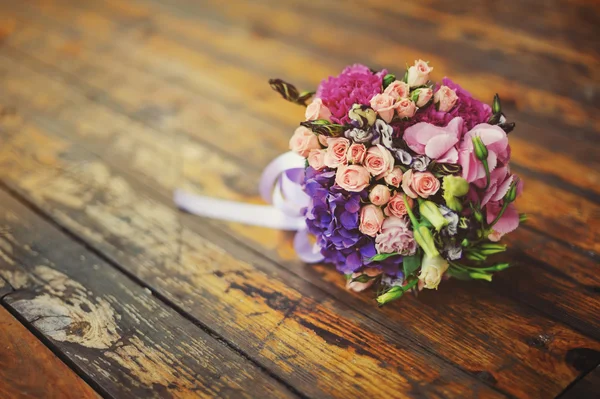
pixel 445 98
pixel 316 159
pixel 352 178
pixel 336 152
pixel 406 108
pixel 303 141
pixel 356 153
pixel 384 105
pixel 317 110
pixel 379 195
pixel 420 184
pixel 394 178
pixel 379 161
pixel 371 219
pixel 322 140
pixel 424 96
pixel 358 286
pixel 396 206
pixel 397 89
pixel 418 74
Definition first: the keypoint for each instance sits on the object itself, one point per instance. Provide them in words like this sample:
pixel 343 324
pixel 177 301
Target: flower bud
pixel 481 151
pixel 496 106
pixel 432 270
pixel 363 115
pixel 491 248
pixel 511 194
pixel 432 213
pixel 454 187
pixel 476 256
pixel 391 295
pixel 478 215
pixel 388 79
pixel 424 238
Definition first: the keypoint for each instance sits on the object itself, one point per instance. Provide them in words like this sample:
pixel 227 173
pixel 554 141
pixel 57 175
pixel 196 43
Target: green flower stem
pixel 487 173
pixel 410 285
pixel 504 206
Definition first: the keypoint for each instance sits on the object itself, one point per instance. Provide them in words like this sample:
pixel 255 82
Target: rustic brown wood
pixel 587 388
pixel 107 106
pixel 110 328
pixel 489 367
pixel 30 370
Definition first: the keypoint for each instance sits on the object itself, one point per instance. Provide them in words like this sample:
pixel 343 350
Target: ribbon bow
pixel 280 186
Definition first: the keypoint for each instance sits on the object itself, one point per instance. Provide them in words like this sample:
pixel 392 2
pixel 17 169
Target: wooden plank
pixel 146 53
pixel 577 210
pixel 201 276
pixel 30 370
pixel 152 250
pixel 107 326
pixel 586 388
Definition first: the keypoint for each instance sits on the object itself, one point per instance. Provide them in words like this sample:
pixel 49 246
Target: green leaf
pixel 363 278
pixel 324 127
pixel 410 264
pixel 380 257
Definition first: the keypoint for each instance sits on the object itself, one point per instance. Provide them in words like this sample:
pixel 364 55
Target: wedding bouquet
pixel 408 181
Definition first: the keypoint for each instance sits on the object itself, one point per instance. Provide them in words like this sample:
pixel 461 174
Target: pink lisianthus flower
pixel 496 142
pixel 500 181
pixel 357 286
pixel 436 142
pixel 395 237
pixel 355 85
pixel 507 223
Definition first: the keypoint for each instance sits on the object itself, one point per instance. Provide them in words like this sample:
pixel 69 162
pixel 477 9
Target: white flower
pixel 432 270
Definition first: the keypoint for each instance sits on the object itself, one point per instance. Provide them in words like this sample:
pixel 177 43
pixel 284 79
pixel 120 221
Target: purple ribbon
pixel 281 186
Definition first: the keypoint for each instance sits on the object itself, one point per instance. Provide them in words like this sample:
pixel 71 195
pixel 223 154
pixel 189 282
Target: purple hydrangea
pixel 355 85
pixel 333 218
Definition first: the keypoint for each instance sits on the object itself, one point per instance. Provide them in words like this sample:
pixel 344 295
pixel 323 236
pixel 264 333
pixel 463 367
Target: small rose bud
pixel 481 151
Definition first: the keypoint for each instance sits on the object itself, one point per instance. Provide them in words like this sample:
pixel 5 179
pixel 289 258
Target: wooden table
pixel 107 106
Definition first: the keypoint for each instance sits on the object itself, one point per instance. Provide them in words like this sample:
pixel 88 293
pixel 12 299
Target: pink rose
pixel 384 105
pixel 303 141
pixel 394 178
pixel 445 97
pixel 496 142
pixel 379 161
pixel 316 159
pixel 322 140
pixel 397 89
pixel 371 219
pixel 406 108
pixel 419 184
pixel 358 286
pixel 379 195
pixel 436 142
pixel 336 152
pixel 396 206
pixel 395 237
pixel 316 110
pixel 356 153
pixel 418 74
pixel 352 178
pixel 424 96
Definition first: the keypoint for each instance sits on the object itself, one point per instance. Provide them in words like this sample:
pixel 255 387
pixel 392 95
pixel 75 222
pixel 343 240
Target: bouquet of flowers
pixel 408 180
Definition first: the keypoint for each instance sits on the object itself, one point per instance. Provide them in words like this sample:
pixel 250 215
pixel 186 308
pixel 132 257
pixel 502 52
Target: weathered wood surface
pixel 107 106
pixel 30 370
pixel 108 327
pixel 587 388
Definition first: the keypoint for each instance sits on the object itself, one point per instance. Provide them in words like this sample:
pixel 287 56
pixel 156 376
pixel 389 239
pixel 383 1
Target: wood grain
pixel 157 248
pixel 30 370
pixel 110 328
pixel 587 388
pixel 108 106
pixel 177 111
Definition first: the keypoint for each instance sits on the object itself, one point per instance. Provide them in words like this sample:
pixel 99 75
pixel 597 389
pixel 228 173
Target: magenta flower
pixel 355 85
